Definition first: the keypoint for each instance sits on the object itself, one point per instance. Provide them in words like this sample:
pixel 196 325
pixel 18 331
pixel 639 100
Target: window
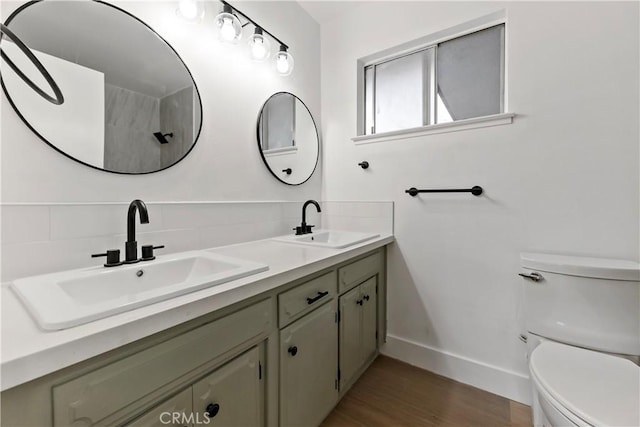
pixel 457 79
pixel 278 124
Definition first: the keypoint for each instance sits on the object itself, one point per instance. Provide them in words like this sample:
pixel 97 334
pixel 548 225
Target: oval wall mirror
pixel 288 138
pixel 131 105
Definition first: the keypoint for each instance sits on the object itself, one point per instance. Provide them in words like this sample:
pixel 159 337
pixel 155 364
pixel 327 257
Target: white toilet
pixel 583 321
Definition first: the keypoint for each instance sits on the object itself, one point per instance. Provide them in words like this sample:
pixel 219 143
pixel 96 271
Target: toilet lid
pixel 598 388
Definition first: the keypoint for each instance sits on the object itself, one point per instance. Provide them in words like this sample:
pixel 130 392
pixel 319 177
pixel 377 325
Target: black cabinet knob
pixel 364 164
pixel 287 171
pixel 212 409
pixel 293 350
pixel 359 302
pixel 366 297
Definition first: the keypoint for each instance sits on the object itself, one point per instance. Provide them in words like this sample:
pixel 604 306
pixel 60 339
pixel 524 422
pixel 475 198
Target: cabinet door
pixel 308 368
pixel 369 318
pixel 176 411
pixel 233 394
pixel 350 336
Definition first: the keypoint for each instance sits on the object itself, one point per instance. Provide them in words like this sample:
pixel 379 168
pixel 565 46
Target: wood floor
pixel 392 393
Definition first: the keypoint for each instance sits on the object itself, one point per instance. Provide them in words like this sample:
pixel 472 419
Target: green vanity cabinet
pixel 362 304
pixel 309 368
pixel 112 392
pixel 304 298
pixel 141 378
pixel 350 330
pixel 358 271
pixel 280 358
pixel 369 296
pixel 358 329
pixel 233 395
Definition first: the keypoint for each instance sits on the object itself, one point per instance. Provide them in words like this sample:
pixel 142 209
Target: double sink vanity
pixel 271 332
pixel 265 333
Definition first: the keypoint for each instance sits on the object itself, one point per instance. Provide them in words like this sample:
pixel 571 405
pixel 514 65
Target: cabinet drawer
pixel 306 297
pixel 353 274
pixel 92 398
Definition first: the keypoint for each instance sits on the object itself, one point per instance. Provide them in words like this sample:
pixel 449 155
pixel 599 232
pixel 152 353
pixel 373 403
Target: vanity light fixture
pixel 230 31
pixel 191 10
pixel 229 27
pixel 260 46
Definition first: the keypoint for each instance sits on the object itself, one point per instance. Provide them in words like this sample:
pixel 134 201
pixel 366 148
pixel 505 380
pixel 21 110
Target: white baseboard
pixel 511 385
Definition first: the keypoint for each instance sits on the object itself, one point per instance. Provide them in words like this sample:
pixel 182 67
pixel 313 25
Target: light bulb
pixel 191 10
pixel 284 62
pixel 227 31
pixel 259 45
pixel 229 27
pixel 258 50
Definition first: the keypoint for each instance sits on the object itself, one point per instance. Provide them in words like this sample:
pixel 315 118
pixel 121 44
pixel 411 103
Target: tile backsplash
pixel 43 238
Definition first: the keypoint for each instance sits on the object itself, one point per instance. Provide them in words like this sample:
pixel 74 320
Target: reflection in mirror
pixel 288 138
pixel 56 98
pixel 131 105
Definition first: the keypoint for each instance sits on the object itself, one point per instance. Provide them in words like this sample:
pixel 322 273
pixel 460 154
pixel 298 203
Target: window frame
pixel 264 133
pixel 430 94
pixel 428 82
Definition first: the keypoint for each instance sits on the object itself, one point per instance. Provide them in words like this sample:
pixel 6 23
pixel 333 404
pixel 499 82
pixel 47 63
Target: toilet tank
pixel 586 302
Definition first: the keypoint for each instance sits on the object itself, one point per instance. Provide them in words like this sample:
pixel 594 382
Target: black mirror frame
pixel 315 166
pixel 26 122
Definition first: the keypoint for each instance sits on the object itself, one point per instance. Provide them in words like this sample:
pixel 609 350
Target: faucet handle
pixel 147 252
pixel 303 229
pixel 113 257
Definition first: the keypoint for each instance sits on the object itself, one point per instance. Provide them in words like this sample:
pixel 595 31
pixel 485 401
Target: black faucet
pixel 304 228
pixel 131 246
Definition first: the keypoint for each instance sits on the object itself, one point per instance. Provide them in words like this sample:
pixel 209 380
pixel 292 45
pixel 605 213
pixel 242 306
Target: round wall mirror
pixel 288 138
pixel 130 103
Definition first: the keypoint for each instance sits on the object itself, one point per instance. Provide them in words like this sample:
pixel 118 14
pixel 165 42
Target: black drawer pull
pixel 359 302
pixel 535 276
pixel 366 297
pixel 212 409
pixel 293 350
pixel 317 297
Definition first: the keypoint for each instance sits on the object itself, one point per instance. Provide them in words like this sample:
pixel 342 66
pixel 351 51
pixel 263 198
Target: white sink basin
pixel 71 298
pixel 329 238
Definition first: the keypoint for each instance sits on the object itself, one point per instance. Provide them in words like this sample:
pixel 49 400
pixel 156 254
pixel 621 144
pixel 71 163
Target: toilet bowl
pixel 583 321
pixel 578 387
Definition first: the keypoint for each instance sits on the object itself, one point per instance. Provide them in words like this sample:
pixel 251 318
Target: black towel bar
pixel 475 190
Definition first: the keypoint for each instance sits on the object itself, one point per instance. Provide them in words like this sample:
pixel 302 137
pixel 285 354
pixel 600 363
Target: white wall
pixel 564 177
pixel 225 163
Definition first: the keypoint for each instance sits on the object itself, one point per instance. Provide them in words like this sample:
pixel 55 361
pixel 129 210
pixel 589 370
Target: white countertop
pixel 28 352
